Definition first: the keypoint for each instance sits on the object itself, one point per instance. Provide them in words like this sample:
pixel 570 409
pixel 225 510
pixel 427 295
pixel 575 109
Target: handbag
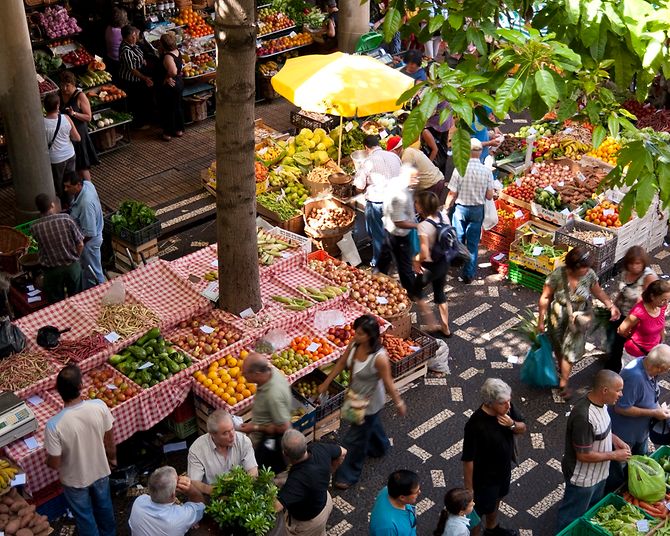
pixel 490 215
pixel 538 368
pixel 354 405
pixel 578 321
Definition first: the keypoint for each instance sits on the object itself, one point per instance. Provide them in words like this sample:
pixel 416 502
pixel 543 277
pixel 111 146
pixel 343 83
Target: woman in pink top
pixel 645 324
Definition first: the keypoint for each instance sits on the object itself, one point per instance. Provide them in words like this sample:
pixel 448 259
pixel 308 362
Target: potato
pixel 4 509
pixel 16 506
pixel 24 532
pixel 12 526
pixel 25 520
pixel 26 510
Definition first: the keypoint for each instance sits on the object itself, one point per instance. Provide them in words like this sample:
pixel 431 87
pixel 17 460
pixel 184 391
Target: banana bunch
pixel 269 68
pixel 211 276
pixel 293 304
pixel 270 247
pixel 573 148
pixel 284 174
pixel 322 294
pixel 7 473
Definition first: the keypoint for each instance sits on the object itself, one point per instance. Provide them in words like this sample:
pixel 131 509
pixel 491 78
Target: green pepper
pixel 138 352
pixel 117 359
pixel 151 334
pixel 174 368
pixel 164 370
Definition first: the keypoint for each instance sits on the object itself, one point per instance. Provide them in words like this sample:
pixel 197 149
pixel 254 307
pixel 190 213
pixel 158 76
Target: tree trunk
pixel 239 284
pixel 353 21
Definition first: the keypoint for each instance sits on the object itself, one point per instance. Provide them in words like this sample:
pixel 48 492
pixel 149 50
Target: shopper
pixel 271 413
pixel 413 68
pixel 113 39
pixel 218 451
pixel 633 412
pixel 60 244
pixel 481 133
pixel 469 193
pixel 374 177
pixel 429 270
pixel 400 227
pixel 134 80
pixel 644 327
pixel 170 88
pixel 430 176
pixel 60 132
pixel 636 276
pixel 305 498
pixel 159 513
pixel 79 441
pixel 454 521
pixel 75 104
pixel 393 512
pixel 565 302
pixel 589 448
pixel 87 212
pixel 368 362
pixel 488 452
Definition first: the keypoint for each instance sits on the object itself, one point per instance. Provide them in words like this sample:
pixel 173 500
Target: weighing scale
pixel 16 418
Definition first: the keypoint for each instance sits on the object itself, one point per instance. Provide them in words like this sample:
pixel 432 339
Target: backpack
pixel 447 246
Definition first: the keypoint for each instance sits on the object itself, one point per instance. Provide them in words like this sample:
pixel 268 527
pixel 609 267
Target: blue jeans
pixel 92 257
pixel 576 501
pixel 468 224
pixel 367 439
pixel 92 508
pixel 374 225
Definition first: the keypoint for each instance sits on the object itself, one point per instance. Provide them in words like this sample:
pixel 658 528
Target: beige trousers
pixel 313 527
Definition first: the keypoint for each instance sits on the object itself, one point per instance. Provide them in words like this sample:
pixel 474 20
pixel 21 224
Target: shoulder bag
pixel 60 117
pixel 355 405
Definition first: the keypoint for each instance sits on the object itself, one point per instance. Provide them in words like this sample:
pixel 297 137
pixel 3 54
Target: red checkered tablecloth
pixel 195 265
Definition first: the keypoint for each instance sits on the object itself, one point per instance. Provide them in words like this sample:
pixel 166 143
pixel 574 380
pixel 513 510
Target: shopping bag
pixel 490 215
pixel 646 479
pixel 538 368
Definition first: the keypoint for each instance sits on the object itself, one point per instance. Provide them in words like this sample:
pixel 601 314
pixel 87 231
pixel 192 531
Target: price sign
pixel 348 126
pixel 214 263
pixel 111 387
pixel 285 254
pixel 313 347
pixel 383 135
pixel 561 183
pixel 567 130
pixel 145 365
pixel 518 214
pixel 565 211
pixel 97 58
pixel 415 348
pixel 599 241
pixel 499 257
pixel 211 291
pixel 97 117
pixel 40 79
pixel 550 189
pixel 247 313
pixel 153 18
pixel 207 329
pixel 381 300
pixel 642 525
pixel 512 359
pixel 608 212
pixel 112 336
pixel 537 250
pixel 292 35
pixel 581 177
pixel 518 182
pixel 532 131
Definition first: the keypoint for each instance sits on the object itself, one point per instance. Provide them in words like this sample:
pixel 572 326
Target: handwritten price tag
pixel 207 329
pixel 247 313
pixel 537 250
pixel 112 336
pixel 348 126
pixel 550 189
pixel 518 182
pixel 642 525
pixel 383 135
pixel 381 300
pixel 608 212
pixel 599 241
pixel 518 214
pixel 145 365
pixel 313 347
pixel 111 387
pixel 96 117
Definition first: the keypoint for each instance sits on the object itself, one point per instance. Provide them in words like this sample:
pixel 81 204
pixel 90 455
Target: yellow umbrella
pixel 341 84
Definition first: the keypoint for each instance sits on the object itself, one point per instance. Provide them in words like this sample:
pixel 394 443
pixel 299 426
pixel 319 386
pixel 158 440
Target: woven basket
pixel 13 244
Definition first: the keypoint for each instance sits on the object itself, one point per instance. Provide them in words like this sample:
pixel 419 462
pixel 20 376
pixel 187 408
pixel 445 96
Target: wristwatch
pixel 513 426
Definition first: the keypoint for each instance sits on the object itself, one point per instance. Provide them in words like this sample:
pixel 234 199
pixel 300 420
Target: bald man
pixel 590 445
pixel 271 413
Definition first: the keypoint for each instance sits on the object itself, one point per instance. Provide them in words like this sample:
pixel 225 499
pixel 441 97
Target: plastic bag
pixel 539 369
pixel 272 341
pixel 12 339
pixel 440 361
pixel 116 295
pixel 490 215
pixel 646 479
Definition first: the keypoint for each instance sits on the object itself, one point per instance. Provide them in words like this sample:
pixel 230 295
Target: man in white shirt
pixel 157 514
pixel 470 192
pixel 218 451
pixel 374 177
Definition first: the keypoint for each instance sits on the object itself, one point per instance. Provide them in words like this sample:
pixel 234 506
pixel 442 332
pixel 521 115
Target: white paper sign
pixel 313 347
pixel 292 35
pixel 30 288
pixel 247 313
pixel 348 126
pixel 550 189
pixel 599 241
pixel 560 184
pixel 383 135
pixel 33 299
pixel 211 291
pixel 111 387
pixel 31 443
pixel 35 400
pixel 40 79
pixel 34 292
pixel 512 359
pixel 518 214
pixel 565 211
pixel 581 177
pixel 214 263
pixel 285 254
pixel 145 365
pixel 19 480
pixel 112 336
pixel 642 525
pixel 415 348
pixel 499 257
pixel 518 182
pixel 381 300
pixel 96 117
pixel 174 447
pixel 207 329
pixel 608 212
pixel 537 250
pixel 153 18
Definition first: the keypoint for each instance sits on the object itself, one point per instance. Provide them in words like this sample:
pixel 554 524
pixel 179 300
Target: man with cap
pixel 470 192
pixel 429 176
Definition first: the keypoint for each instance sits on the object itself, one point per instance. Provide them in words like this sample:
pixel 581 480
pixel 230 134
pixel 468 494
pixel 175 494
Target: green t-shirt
pixel 272 403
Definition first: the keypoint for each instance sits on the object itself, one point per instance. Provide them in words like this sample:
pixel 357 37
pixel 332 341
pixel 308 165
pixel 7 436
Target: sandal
pixel 165 137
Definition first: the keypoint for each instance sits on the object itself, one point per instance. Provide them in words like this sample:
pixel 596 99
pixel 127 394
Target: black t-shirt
pixel 490 446
pixel 305 493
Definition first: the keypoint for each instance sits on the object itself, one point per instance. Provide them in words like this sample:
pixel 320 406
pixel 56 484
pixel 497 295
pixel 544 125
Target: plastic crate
pixel 335 392
pixel 614 500
pixel 25 229
pixel 306 422
pixel 427 349
pixel 526 278
pixel 183 429
pixel 579 527
pixel 302 121
pixel 135 238
pixel 603 256
pixel 507 227
pixel 496 242
pixel 661 452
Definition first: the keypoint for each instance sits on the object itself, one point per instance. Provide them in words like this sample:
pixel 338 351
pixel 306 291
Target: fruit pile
pixel 306 388
pixel 340 335
pixel 606 214
pixel 102 384
pixel 268 69
pixel 224 379
pixel 77 58
pixel 191 69
pixel 289 361
pixel 193 47
pixel 270 20
pixel 92 79
pixel 297 193
pixel 310 148
pixel 607 151
pixel 107 93
pixel 57 22
pixel 46 86
pixel 314 348
pixel 282 175
pixel 541 129
pixel 270 153
pixel 261 171
pixel 200 59
pixel 273 46
pixel 7 473
pixel 207 336
pixel 330 218
pixel 270 247
pixel 398 348
pixel 197 27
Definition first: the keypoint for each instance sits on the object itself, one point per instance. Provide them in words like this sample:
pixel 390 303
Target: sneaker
pixel 465 280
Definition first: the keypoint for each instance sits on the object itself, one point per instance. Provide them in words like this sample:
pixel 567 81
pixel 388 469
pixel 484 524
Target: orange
pixel 231 401
pixel 207 382
pixel 240 387
pixel 231 361
pixel 230 391
pixel 234 372
pixel 243 354
pixel 246 393
pixel 239 397
pixel 217 382
pixel 252 388
pixel 225 376
pixel 221 393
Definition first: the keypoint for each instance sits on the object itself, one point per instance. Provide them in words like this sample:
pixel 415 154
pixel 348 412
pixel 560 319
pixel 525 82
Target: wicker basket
pixel 13 244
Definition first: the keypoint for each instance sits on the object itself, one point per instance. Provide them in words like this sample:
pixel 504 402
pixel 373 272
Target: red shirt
pixel 647 333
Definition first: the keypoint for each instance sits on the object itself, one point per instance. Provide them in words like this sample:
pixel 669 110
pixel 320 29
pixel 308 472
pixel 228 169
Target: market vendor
pixel 429 176
pixel 271 413
pixel 218 451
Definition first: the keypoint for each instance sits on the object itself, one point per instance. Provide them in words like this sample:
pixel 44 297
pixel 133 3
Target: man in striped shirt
pixel 589 448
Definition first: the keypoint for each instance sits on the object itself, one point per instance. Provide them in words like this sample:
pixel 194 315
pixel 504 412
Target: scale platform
pixel 16 418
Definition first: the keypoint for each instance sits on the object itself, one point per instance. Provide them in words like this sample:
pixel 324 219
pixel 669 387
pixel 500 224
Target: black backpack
pixel 447 245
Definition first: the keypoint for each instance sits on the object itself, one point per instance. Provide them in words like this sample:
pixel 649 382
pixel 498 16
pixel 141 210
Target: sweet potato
pixel 15 507
pixel 28 509
pixel 25 520
pixel 24 532
pixel 4 519
pixel 4 509
pixel 8 500
pixel 12 526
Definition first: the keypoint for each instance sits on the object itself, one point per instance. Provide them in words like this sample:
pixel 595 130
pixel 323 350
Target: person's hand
pixel 662 413
pixel 112 462
pixel 170 82
pixel 69 111
pixel 621 455
pixel 321 388
pixel 615 314
pixel 149 82
pixel 540 326
pixel 402 408
pixel 505 420
pixel 183 484
pixel 418 269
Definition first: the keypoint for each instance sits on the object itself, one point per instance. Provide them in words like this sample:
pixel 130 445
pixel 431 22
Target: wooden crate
pixel 121 260
pixel 330 423
pixel 411 376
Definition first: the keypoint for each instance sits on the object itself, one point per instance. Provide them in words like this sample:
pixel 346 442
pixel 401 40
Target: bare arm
pixel 489 193
pixel 633 411
pixel 54 462
pixel 628 325
pixel 451 199
pixel 85 107
pixel 468 468
pixel 338 461
pixel 340 365
pixel 110 446
pixel 543 306
pixel 648 280
pixel 429 140
pixel 186 486
pixel 619 455
pixel 204 489
pixel 170 65
pixel 599 293
pixel 74 135
pixel 80 247
pixel 384 368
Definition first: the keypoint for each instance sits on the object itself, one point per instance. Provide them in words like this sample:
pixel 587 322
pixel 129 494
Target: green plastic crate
pixel 579 527
pixel 524 277
pixel 660 452
pixel 25 229
pixel 183 429
pixel 618 502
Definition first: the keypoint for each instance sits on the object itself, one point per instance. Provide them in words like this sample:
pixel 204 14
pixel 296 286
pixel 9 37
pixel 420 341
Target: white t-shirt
pixel 76 434
pixel 148 518
pixel 62 148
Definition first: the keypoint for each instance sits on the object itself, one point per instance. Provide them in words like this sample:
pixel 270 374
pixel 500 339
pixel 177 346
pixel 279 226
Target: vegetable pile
pixel 619 522
pixel 657 509
pixel 18 518
pixel 57 23
pixel 398 348
pixel 150 360
pixel 132 216
pixel 125 319
pixel 329 218
pixel 279 204
pixel 590 236
pixel 270 247
pixel 45 62
pixel 102 384
pixel 606 214
pixel 80 349
pixel 23 369
pixel 207 336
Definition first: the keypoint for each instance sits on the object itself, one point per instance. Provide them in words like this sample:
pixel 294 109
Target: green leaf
pixel 613 125
pixel 597 49
pixel 645 190
pixel 544 83
pixel 567 109
pixel 463 110
pixel 435 23
pixel 626 206
pixel 476 37
pixel 513 36
pixel 412 127
pixel 599 134
pixel 392 22
pixel 627 125
pixel 653 54
pixel 456 20
pixel 448 93
pixel 590 33
pixel 472 80
pixel 664 182
pixel 509 91
pixel 410 93
pixel 460 144
pixel 428 104
pixel 483 98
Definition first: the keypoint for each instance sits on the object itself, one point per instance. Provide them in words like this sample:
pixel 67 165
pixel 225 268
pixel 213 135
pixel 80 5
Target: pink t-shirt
pixel 647 333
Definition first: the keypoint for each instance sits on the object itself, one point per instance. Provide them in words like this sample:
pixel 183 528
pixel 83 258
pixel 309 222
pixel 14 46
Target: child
pixel 454 518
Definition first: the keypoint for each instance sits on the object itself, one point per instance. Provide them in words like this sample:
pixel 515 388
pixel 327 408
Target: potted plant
pixel 135 223
pixel 242 505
